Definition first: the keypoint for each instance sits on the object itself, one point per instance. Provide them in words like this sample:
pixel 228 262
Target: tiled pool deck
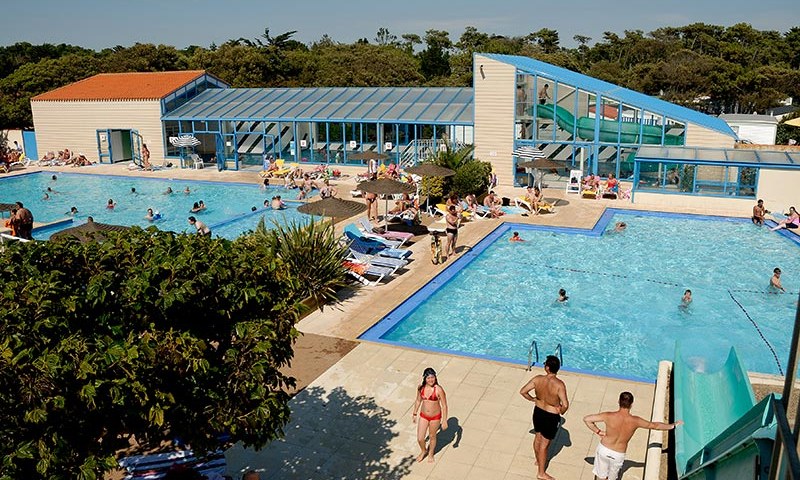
pixel 353 421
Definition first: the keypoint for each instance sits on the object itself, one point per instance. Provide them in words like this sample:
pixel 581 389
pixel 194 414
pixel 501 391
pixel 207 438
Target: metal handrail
pixel 533 348
pixel 784 453
pixel 558 353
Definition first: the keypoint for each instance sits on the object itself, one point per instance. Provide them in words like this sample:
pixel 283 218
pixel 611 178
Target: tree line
pixel 712 68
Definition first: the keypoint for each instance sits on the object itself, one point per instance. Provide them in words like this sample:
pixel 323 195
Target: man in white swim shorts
pixel 620 427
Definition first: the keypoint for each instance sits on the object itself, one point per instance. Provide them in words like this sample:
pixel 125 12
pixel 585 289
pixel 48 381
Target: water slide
pixel 725 435
pixel 629 131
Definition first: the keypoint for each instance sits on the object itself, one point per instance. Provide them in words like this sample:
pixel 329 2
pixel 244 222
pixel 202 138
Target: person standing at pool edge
pixel 620 427
pixel 431 402
pixel 550 403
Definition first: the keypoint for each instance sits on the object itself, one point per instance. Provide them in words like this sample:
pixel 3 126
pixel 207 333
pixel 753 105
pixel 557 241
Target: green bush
pixel 151 334
pixel 472 177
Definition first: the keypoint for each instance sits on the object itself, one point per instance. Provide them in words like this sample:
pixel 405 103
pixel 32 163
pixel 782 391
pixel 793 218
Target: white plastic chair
pixel 198 161
pixel 574 182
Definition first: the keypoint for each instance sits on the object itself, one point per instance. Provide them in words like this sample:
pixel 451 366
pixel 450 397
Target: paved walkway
pixel 354 422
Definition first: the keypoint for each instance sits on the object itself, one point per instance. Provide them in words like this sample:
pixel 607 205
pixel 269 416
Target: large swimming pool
pixel 624 291
pixel 228 210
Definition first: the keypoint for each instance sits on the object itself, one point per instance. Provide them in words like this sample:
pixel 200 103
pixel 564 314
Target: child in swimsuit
pixel 431 398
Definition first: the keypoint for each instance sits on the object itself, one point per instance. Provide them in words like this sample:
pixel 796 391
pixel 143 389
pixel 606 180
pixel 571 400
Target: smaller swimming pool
pixel 228 213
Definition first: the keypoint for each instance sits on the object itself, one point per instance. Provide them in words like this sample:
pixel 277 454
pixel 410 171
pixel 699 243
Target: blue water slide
pixel 724 430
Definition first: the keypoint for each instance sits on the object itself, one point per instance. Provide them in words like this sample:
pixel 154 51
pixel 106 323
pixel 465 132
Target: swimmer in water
pixel 168 191
pixel 620 227
pixel 186 191
pixel 562 296
pixel 516 238
pixel 110 205
pixel 775 282
pixel 686 300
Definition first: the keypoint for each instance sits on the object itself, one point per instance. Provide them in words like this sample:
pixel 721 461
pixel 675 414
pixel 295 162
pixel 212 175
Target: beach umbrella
pixel 368 155
pixel 430 170
pixel 527 152
pixel 184 141
pixel 332 207
pixel 385 186
pixel 88 232
pixel 534 159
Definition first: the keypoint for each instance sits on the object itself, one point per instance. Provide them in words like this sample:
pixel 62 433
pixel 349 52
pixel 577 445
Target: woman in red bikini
pixel 432 405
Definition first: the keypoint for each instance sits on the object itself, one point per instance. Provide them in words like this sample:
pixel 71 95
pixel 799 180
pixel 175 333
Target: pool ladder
pixel 533 352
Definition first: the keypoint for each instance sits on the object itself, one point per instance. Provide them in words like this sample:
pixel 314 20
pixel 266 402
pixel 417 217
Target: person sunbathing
pixel 612 184
pixel 493 203
pixel 401 205
pixel 792 221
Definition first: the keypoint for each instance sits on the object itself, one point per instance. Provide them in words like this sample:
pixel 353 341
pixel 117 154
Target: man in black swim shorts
pixel 551 402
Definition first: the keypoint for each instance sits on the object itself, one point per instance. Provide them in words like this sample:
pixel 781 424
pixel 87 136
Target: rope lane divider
pixel 758 329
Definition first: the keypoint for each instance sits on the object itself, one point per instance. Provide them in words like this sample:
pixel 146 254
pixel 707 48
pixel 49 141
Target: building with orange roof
pixel 108 117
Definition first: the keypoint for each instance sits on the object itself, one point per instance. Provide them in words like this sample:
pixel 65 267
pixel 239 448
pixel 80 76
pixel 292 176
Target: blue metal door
pixel 104 146
pixel 220 153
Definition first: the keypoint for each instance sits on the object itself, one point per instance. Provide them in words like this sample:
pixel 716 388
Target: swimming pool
pixel 624 289
pixel 228 210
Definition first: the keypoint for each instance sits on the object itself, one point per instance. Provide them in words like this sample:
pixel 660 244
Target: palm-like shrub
pixel 312 254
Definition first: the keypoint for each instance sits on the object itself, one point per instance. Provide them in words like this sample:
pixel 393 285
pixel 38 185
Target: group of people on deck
pixel 548 393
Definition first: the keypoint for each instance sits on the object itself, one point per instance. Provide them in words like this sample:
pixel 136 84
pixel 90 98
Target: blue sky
pixel 97 24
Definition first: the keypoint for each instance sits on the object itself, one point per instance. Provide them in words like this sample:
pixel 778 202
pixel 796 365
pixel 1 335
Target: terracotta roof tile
pixel 122 86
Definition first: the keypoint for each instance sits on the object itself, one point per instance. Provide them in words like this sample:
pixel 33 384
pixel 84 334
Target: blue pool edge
pixel 385 325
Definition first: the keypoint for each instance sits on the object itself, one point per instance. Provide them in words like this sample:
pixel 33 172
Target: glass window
pixel 171 130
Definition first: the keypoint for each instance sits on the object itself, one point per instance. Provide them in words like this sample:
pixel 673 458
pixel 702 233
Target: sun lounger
pixel 352 228
pixel 360 271
pixel 394 263
pixel 366 229
pixel 155 466
pixel 372 247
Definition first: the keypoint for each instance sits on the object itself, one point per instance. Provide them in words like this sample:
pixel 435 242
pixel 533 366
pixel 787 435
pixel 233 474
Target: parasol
pixel 385 186
pixel 332 207
pixel 87 232
pixel 368 155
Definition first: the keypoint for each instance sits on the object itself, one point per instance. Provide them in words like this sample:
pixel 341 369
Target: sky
pixel 99 24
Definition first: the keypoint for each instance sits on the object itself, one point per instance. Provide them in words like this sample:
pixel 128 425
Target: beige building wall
pixel 697 136
pixel 494 115
pixel 736 207
pixel 74 124
pixel 778 189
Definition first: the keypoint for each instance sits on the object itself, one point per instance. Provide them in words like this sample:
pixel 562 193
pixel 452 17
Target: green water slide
pixel 725 435
pixel 629 132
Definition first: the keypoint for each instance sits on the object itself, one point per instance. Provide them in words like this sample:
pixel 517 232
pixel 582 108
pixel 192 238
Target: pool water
pixel 624 289
pixel 228 211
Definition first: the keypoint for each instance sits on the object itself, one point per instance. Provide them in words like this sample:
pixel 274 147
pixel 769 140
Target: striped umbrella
pixel 526 155
pixel 184 141
pixel 527 152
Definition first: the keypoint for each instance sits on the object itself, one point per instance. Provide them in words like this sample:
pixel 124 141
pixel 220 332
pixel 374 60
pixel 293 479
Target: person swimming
pixel 111 204
pixel 686 300
pixel 620 227
pixel 562 296
pixel 195 208
pixel 168 191
pixel 775 282
pixel 133 190
pixel 516 238
pixel 72 211
pixel 186 191
pixel 202 205
pixel 46 196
